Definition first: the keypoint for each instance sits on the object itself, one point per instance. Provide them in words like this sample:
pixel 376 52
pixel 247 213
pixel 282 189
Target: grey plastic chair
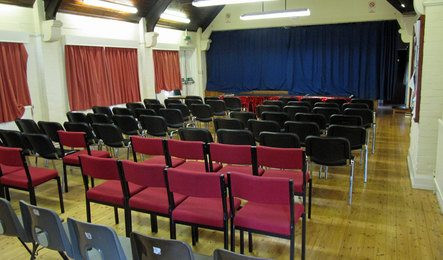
pixel 45 229
pixel 144 247
pixel 223 254
pixel 11 225
pixel 91 241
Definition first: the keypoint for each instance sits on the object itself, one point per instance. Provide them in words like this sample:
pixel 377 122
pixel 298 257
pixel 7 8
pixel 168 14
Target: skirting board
pixel 419 181
pixel 439 193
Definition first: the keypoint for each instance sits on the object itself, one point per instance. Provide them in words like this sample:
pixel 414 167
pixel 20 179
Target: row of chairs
pixel 79 240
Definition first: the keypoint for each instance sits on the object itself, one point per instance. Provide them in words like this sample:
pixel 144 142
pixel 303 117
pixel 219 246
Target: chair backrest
pixel 12 159
pixel 228 123
pixel 173 117
pixel 243 116
pixel 346 120
pixel 279 103
pixel 144 247
pixel 127 124
pixel 368 102
pixel 155 107
pixel 80 127
pixel 279 117
pixel 218 106
pixel 122 111
pixel 193 150
pixel 195 134
pixel 133 105
pixel 329 151
pixel 286 100
pixel 99 118
pixel 45 228
pixel 258 126
pixel 154 125
pixel 194 97
pixel 194 184
pixel 366 115
pixel 338 101
pixel 9 223
pixel 302 129
pixel 311 100
pixel 282 140
pixel 149 146
pixel 145 175
pixel 183 108
pixel 326 111
pixel 281 158
pixel 92 241
pixel 143 111
pixel 102 110
pixel 110 134
pixel 42 145
pixel 28 126
pixel 231 154
pixel 202 111
pixel 51 129
pixel 300 104
pixel 326 104
pixel 149 101
pixel 77 117
pixel 169 101
pixel 238 137
pixel 100 168
pixel 267 108
pixel 15 139
pixel 354 105
pixel 232 103
pixel 292 110
pixel 73 139
pixel 356 135
pixel 319 119
pixel 190 102
pixel 211 98
pixel 223 254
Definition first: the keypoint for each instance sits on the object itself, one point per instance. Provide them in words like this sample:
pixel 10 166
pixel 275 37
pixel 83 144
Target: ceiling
pixel 409 6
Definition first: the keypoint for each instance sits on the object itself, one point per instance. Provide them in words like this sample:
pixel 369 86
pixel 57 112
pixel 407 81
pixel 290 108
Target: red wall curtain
pixel 98 76
pixel 14 92
pixel 167 71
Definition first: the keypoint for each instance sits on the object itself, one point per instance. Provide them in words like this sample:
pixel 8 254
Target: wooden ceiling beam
pixel 51 8
pixel 153 15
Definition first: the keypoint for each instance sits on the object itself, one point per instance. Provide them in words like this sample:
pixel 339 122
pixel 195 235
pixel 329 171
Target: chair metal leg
pixel 194 242
pixel 232 237
pixel 303 237
pixel 326 172
pixel 154 225
pixel 366 164
pixel 225 236
pixel 116 215
pixel 242 242
pixel 319 171
pixel 373 137
pixel 361 156
pixel 26 246
pixel 60 195
pixel 65 178
pixel 88 211
pixel 2 191
pixel 292 247
pixel 128 222
pixel 310 197
pixel 34 250
pixel 32 198
pixel 7 194
pixel 62 254
pixel 172 229
pixel 351 182
pixel 250 242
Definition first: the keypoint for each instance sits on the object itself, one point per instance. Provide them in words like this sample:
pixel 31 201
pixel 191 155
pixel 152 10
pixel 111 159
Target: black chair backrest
pixel 223 254
pixel 366 115
pixel 243 116
pixel 346 120
pixel 42 145
pixel 80 127
pixel 143 111
pixel 280 140
pixel 218 107
pixel 311 101
pixel 154 125
pixel 356 135
pixel 100 119
pixel 258 126
pixel 202 112
pixel 148 101
pixel 102 110
pixel 127 124
pixel 328 151
pixel 194 97
pixel 144 247
pixel 28 126
pixel 211 98
pixel 16 139
pixel 172 101
pixel 319 119
pixel 183 108
pixel 50 129
pixel 122 111
pixel 190 102
pixel 279 103
pixel 268 108
pixel 302 129
pixel 286 100
pixel 354 105
pixel 239 137
pixel 292 110
pixel 279 117
pixel 110 134
pixel 77 117
pixel 368 102
pixel 133 105
pixel 326 104
pixel 326 111
pixel 195 134
pixel 232 103
pixel 228 123
pixel 300 104
pixel 338 101
pixel 173 117
pixel 155 107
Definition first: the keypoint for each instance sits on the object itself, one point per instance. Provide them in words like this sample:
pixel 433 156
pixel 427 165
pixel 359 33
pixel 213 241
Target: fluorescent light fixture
pixel 403 5
pixel 204 3
pixel 113 6
pixel 175 16
pixel 276 14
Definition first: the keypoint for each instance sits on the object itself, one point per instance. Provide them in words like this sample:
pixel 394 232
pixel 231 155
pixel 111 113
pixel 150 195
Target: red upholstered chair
pixel 270 209
pixel 110 192
pixel 76 140
pixel 286 163
pixel 239 158
pixel 15 173
pixel 155 148
pixel 206 205
pixel 194 152
pixel 153 199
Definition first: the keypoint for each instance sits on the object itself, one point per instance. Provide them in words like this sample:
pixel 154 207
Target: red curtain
pixel 98 76
pixel 167 71
pixel 14 92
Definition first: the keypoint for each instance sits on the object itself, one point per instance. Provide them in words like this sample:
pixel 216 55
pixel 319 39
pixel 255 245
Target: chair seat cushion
pixel 154 199
pixel 266 217
pixel 295 175
pixel 111 192
pixel 72 159
pixel 246 169
pixel 38 176
pixel 160 159
pixel 203 211
pixel 198 166
pixel 9 169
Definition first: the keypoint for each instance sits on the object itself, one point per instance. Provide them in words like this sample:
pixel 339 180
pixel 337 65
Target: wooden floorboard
pixel 387 220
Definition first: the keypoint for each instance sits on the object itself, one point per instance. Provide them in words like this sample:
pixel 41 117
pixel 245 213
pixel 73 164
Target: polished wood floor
pixel 387 220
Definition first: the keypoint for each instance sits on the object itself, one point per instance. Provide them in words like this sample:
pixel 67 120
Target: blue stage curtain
pixel 339 59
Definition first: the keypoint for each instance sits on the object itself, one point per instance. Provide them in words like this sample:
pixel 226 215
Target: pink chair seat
pixel 197 166
pixel 245 169
pixel 72 159
pixel 160 159
pixel 203 211
pixel 154 199
pixel 111 192
pixel 295 175
pixel 18 178
pixel 267 217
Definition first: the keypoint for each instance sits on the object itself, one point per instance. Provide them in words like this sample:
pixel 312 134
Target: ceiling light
pixel 276 14
pixel 113 6
pixel 175 16
pixel 204 3
pixel 403 5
